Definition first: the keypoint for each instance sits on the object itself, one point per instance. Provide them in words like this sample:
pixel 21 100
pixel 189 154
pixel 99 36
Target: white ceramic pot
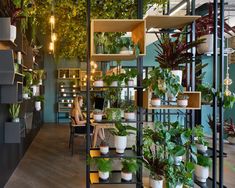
pixel 98 83
pixel 129 116
pixel 40 82
pixel 12 33
pixel 155 183
pixel 97 117
pixel 16 120
pixel 231 140
pixel 155 102
pixel 69 105
pixel 201 173
pixel 130 83
pixel 114 84
pixel 201 148
pixel 34 88
pixel 104 175
pixel 126 176
pixel 104 150
pixel 207 46
pixel 19 57
pixel 25 95
pixel 178 73
pixel 178 160
pixel 38 105
pixel 171 97
pixel 179 185
pixel 126 51
pixel 182 103
pixel 62 90
pixel 120 143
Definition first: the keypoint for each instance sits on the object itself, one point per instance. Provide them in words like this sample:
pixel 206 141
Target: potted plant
pixel 97 115
pixel 201 143
pixel 104 166
pixel 206 92
pixel 177 152
pixel 202 168
pixel 38 101
pixel 204 30
pixel 129 110
pixel 26 92
pixel 104 147
pixel 113 80
pixel 129 75
pixel 14 111
pixel 120 133
pixel 100 42
pixel 113 114
pixel 129 166
pixel 230 131
pixel 125 44
pixel 174 52
pixel 155 100
pixel 182 100
pixel 98 82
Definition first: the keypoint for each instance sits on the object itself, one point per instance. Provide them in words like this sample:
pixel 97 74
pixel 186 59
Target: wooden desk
pixel 97 127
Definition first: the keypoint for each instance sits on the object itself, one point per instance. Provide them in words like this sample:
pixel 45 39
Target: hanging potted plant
pixel 120 133
pixel 173 53
pixel 204 31
pixel 129 166
pixel 104 147
pixel 38 101
pixel 14 111
pixel 97 115
pixel 104 166
pixel 201 143
pixel 98 82
pixel 202 168
pixel 182 100
pixel 128 77
pixel 129 110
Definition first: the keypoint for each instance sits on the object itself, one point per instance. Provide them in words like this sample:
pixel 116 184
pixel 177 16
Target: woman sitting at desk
pixel 78 119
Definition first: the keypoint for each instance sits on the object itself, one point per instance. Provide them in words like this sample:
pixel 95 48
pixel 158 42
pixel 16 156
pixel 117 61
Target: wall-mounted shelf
pixel 167 22
pixel 11 94
pixel 5 31
pixel 69 73
pixel 135 26
pixel 194 102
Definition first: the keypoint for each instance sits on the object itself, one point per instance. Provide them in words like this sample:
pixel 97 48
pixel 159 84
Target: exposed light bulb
pixel 51 46
pixel 95 66
pixel 93 71
pixel 52 20
pixel 53 37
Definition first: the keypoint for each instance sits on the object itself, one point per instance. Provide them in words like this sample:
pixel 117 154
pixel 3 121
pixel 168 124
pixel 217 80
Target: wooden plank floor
pixel 48 163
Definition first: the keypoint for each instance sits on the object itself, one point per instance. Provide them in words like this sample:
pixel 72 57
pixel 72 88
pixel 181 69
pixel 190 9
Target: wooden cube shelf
pixel 167 22
pixel 194 101
pixel 69 73
pixel 135 26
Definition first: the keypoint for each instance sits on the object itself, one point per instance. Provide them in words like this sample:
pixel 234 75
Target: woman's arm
pixel 78 121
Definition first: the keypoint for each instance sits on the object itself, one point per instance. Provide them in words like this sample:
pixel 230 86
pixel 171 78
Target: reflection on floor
pixel 48 163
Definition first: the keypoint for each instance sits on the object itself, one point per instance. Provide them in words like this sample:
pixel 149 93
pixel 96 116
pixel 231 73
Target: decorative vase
pixel 127 176
pixel 182 103
pixel 103 175
pixel 12 33
pixel 207 46
pixel 120 143
pixel 201 173
pixel 129 116
pixel 98 83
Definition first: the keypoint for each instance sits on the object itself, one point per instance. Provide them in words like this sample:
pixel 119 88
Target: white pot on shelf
pixel 231 140
pixel 120 143
pixel 126 51
pixel 155 102
pixel 178 73
pixel 201 148
pixel 97 117
pixel 12 33
pixel 153 183
pixel 98 83
pixel 179 185
pixel 127 176
pixel 178 160
pixel 16 120
pixel 104 150
pixel 62 90
pixel 34 88
pixel 207 46
pixel 38 105
pixel 201 173
pixel 25 96
pixel 182 103
pixel 130 83
pixel 114 84
pixel 103 175
pixel 129 116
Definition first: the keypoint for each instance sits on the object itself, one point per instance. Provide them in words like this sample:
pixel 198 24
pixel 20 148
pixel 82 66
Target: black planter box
pixel 13 132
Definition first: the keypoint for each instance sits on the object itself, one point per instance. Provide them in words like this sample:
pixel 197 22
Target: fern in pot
pixel 182 100
pixel 202 168
pixel 104 167
pixel 120 133
pixel 129 166
pixel 129 110
pixel 14 111
pixel 97 115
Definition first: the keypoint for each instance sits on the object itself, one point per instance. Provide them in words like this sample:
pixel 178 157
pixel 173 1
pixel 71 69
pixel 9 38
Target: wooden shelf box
pixel 135 26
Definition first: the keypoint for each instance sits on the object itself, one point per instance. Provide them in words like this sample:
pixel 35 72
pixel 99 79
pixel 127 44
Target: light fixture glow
pixel 51 46
pixel 53 37
pixel 52 20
